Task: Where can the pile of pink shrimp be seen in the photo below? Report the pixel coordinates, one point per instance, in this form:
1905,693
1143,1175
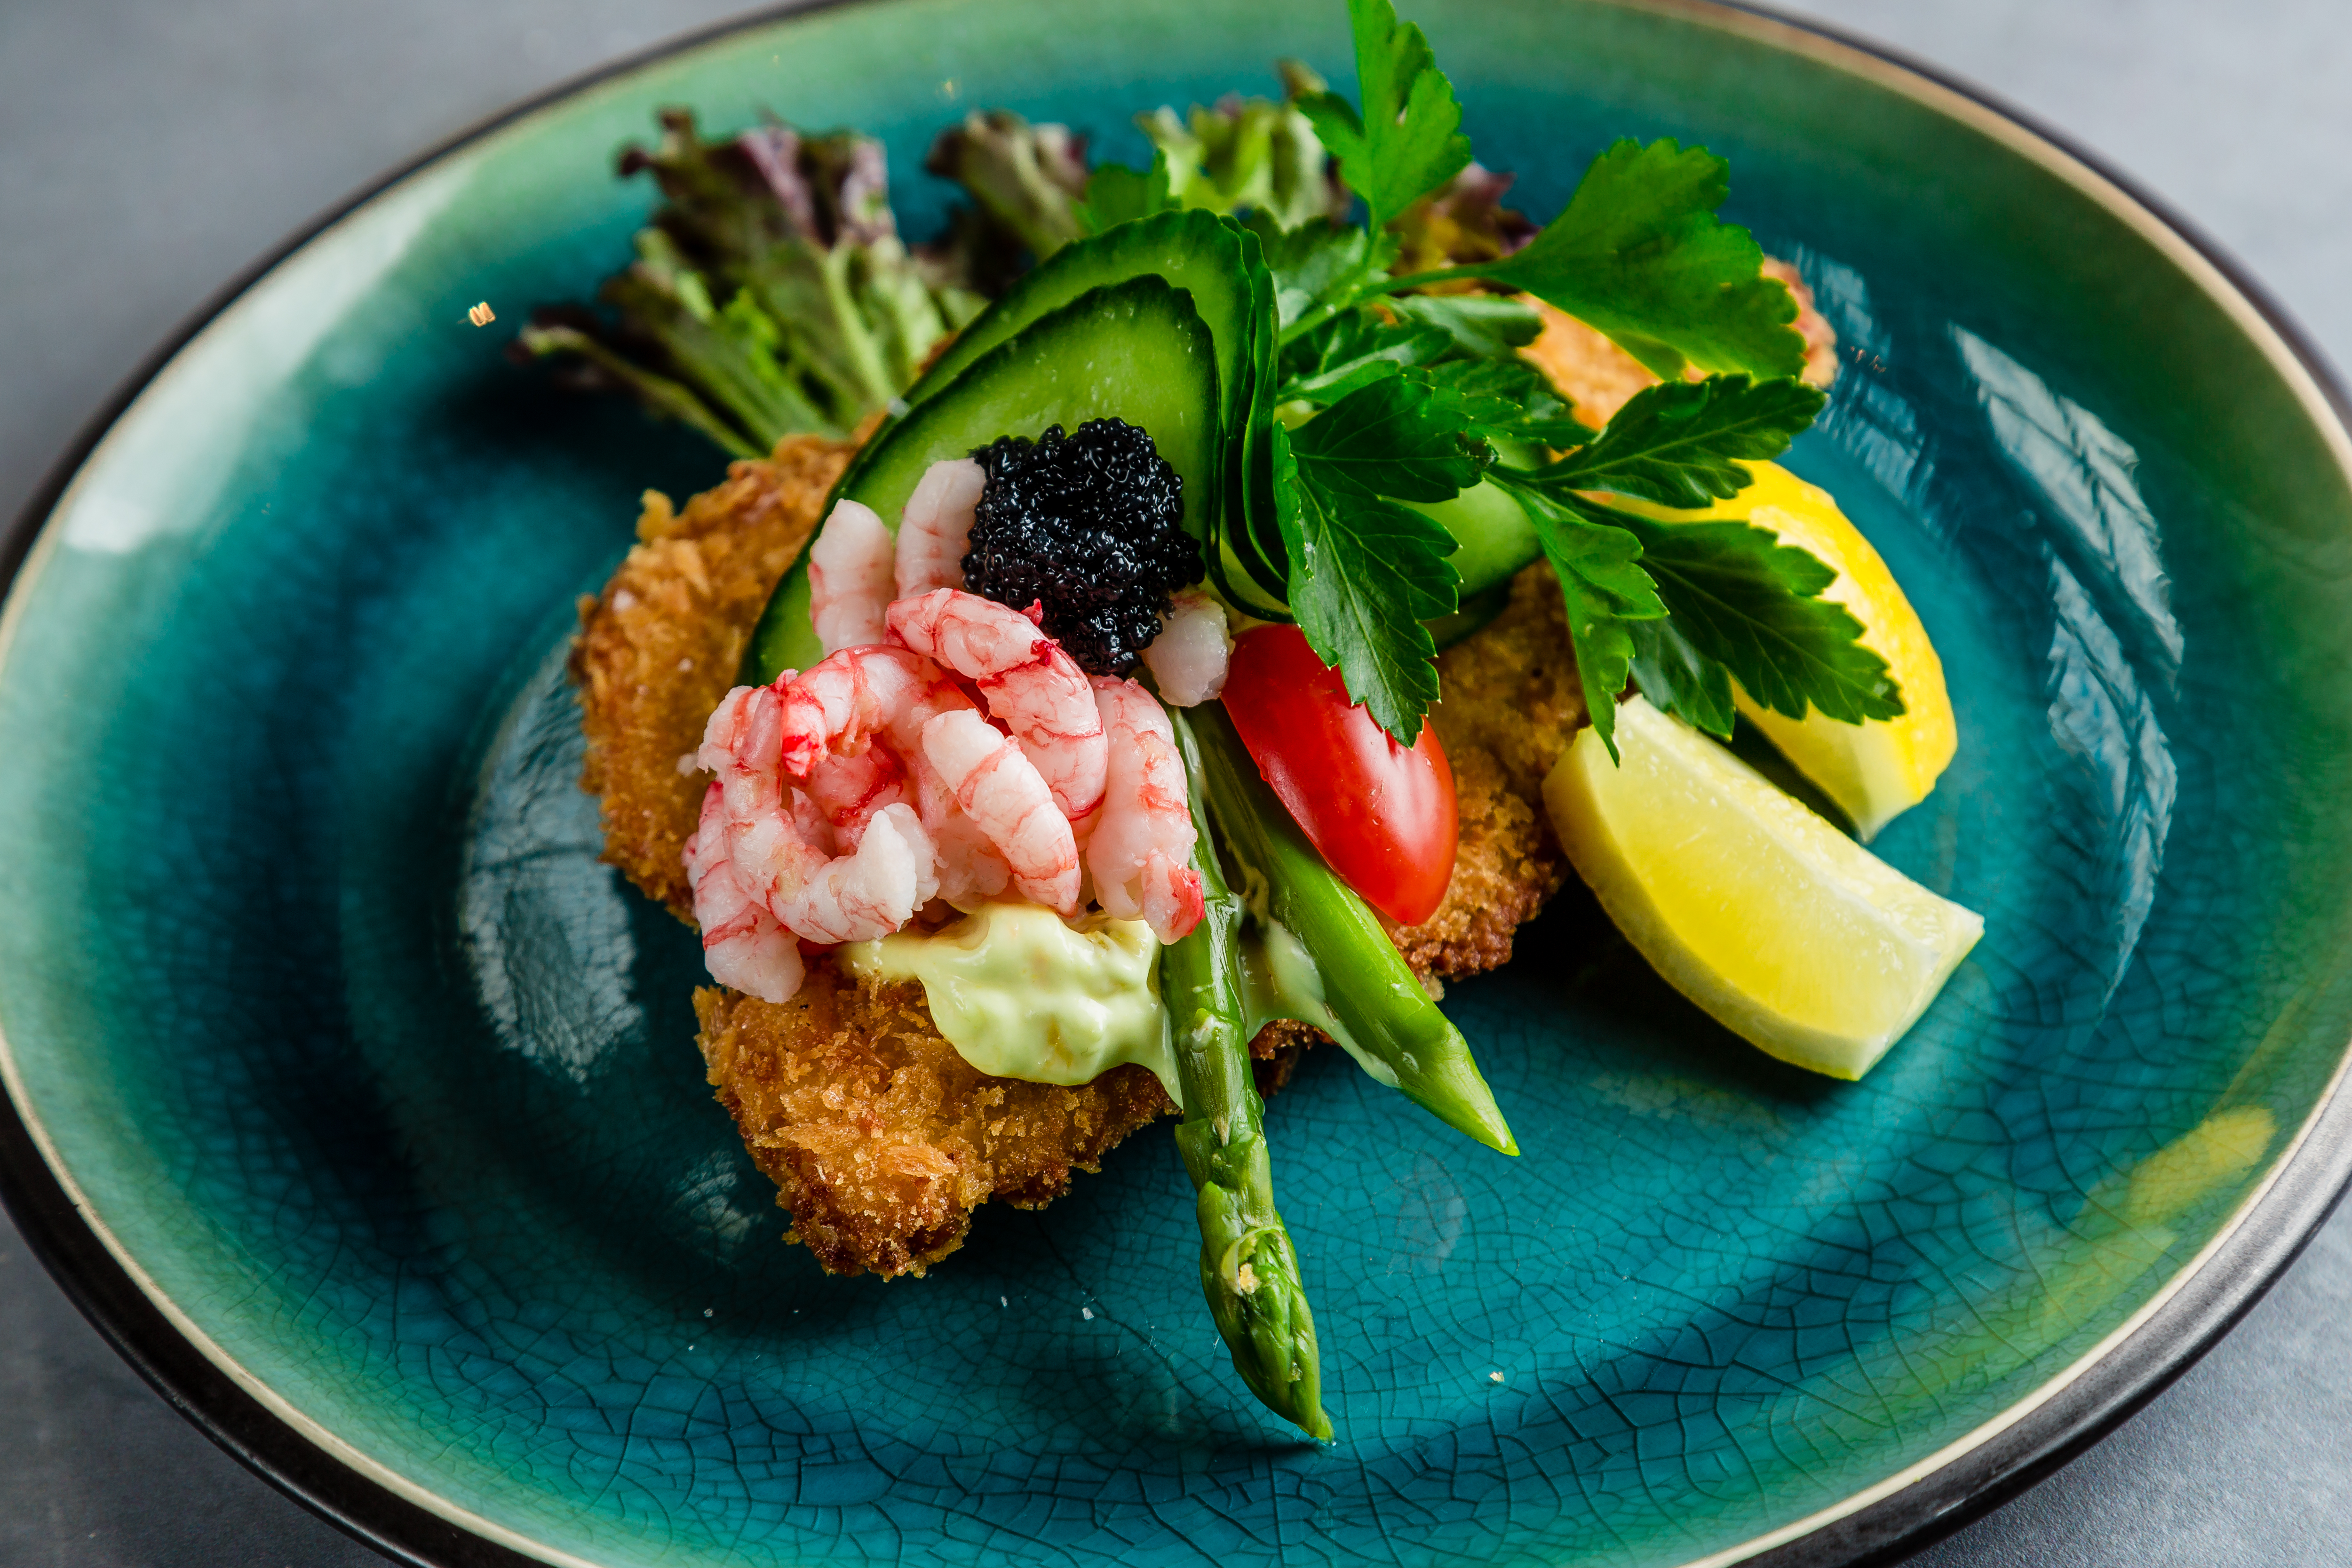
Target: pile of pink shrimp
945,747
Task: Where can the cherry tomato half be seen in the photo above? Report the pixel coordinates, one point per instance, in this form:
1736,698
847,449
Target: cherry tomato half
1382,814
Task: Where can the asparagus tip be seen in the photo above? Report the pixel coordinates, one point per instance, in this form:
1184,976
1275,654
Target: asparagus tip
1463,1101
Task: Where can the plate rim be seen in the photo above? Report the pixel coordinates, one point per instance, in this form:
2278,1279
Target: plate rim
1937,1495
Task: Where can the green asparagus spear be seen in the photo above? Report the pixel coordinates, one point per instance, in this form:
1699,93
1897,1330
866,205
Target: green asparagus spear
1249,1270
1385,1018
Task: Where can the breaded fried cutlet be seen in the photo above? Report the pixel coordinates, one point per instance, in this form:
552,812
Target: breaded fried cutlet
1511,703
847,1098
881,1140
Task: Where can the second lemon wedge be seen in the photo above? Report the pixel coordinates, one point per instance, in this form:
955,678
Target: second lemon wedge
1872,771
1789,932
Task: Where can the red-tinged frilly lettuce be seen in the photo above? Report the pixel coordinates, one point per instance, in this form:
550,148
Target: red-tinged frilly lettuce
771,293
1463,222
1025,181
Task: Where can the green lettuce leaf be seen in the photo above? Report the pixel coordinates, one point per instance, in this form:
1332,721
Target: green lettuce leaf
1116,195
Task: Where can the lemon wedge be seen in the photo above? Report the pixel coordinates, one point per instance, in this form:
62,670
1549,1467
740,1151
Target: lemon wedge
1879,768
1791,934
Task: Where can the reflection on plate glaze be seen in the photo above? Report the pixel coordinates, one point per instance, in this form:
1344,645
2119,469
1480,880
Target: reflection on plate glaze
2103,630
534,902
2124,1229
2102,717
2082,472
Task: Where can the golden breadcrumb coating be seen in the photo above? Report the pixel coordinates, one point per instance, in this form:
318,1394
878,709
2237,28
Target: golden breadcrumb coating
1821,338
849,1099
880,1139
660,646
1511,704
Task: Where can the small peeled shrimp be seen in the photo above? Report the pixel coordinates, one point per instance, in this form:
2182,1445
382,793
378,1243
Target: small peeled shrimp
774,857
739,743
1032,686
1189,659
935,530
743,944
868,894
852,578
852,729
1001,791
1141,851
830,716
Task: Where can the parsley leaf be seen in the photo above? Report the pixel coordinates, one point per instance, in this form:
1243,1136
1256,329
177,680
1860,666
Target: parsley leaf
1609,597
1678,679
1483,326
1509,399
1742,599
1638,254
1318,269
1353,350
1364,574
1675,443
1398,436
1410,138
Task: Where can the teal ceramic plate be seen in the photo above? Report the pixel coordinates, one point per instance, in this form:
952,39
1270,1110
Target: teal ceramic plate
361,1103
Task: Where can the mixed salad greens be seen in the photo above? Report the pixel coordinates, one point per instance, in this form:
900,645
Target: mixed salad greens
1363,453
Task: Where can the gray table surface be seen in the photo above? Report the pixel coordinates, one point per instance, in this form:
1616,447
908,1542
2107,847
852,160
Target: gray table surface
149,149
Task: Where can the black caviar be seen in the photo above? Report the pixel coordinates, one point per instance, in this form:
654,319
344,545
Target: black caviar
1089,525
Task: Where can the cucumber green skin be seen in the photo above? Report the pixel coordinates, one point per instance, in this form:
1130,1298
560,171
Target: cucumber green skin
1136,351
1220,264
1217,262
1493,537
1251,537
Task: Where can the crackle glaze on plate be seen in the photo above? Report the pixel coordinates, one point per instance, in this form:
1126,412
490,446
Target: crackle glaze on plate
383,1092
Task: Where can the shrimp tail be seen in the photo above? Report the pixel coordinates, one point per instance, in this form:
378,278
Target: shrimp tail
1172,900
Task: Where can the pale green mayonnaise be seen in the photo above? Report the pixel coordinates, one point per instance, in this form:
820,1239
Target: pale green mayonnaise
1280,980
1019,992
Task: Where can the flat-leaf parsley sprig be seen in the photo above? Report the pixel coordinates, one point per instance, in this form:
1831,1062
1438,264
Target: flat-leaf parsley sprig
1387,397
